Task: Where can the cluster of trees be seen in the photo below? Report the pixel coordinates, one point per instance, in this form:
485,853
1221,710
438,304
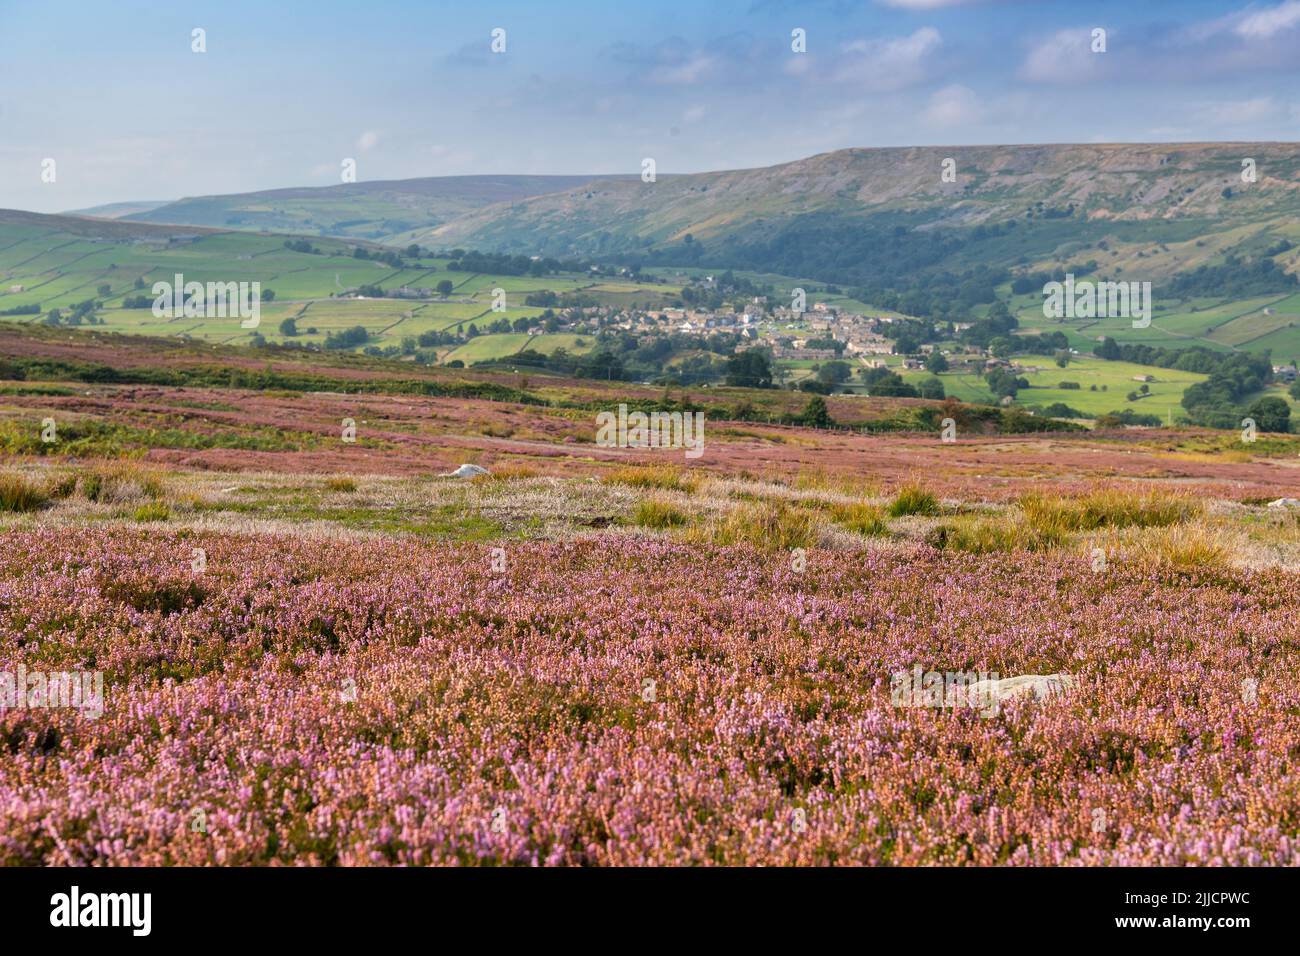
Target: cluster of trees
347,338
881,382
83,313
1127,417
909,335
1196,358
563,300
999,323
33,309
892,263
502,263
1061,410
289,328
1049,343
388,257
600,363
749,369
1236,278
939,296
826,342
675,359
1004,383
1216,402
725,289
1271,414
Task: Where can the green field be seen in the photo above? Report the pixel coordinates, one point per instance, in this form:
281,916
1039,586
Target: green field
486,348
56,268
1219,324
1117,378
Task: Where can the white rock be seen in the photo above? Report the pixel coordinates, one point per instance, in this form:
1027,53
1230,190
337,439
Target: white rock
466,471
1040,685
1285,503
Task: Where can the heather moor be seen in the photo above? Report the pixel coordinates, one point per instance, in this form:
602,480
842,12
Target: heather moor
598,437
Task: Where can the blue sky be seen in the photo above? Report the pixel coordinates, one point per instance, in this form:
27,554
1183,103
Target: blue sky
287,90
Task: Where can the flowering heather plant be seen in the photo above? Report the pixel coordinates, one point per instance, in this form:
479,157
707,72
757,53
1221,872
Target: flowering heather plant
636,701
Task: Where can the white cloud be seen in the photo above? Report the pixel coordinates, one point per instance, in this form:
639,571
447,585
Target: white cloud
1265,23
1064,57
367,140
954,105
892,64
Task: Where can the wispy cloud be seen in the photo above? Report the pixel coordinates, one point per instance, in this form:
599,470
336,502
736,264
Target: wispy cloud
1264,24
954,105
889,64
1064,57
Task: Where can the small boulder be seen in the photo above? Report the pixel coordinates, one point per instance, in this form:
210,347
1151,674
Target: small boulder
1040,685
1285,503
466,471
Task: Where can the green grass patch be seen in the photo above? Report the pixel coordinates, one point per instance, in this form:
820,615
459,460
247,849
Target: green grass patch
913,500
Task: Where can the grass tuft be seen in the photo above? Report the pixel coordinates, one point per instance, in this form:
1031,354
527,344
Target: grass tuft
1053,514
861,518
653,513
662,477
152,511
766,525
990,535
120,484
1186,547
913,500
19,494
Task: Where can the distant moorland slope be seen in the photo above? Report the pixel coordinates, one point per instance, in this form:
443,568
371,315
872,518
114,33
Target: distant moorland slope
380,210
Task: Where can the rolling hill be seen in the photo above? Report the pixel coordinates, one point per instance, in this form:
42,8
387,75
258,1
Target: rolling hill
56,262
379,210
1110,185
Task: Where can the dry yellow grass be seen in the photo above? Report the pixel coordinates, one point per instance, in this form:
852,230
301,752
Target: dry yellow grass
765,525
121,483
1107,508
509,471
21,494
1186,547
658,513
663,477
1008,532
861,517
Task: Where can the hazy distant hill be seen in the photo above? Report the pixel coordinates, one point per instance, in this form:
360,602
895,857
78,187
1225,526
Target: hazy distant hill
117,210
381,210
1054,194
